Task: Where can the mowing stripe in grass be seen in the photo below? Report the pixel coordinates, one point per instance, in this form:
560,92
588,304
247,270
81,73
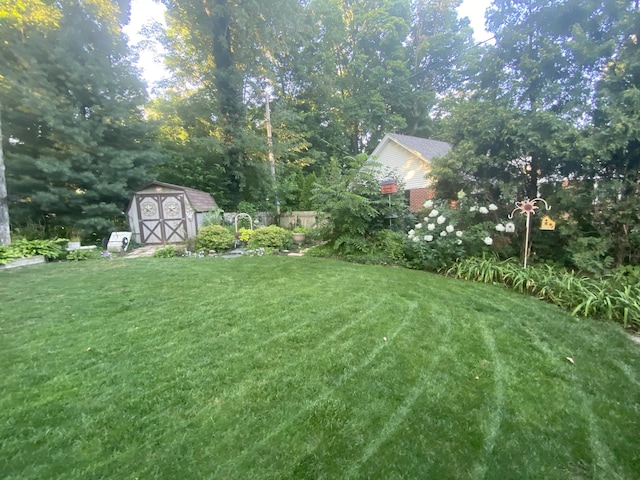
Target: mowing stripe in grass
401,413
604,459
248,382
296,427
496,410
276,374
556,354
626,369
326,392
242,351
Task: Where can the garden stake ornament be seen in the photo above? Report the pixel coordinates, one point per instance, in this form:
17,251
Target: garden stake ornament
528,207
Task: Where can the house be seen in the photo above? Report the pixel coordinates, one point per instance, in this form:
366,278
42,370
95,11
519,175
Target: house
165,213
410,158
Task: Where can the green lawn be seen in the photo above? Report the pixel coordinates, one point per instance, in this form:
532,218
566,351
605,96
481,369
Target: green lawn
278,368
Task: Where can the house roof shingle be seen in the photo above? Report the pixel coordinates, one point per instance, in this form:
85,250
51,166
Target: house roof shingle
424,146
200,201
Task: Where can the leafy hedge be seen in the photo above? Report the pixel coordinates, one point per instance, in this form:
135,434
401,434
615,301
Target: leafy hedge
616,297
270,237
214,237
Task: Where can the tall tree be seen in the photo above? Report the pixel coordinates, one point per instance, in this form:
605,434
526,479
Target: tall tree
612,163
344,72
538,80
17,19
440,59
75,139
358,60
221,52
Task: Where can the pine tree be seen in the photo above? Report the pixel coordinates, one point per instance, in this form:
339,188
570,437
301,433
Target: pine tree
75,138
16,20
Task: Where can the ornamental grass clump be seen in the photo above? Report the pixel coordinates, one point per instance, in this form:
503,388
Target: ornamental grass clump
614,298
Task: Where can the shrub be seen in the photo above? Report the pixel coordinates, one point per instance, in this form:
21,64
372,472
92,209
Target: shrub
270,237
82,254
189,245
349,194
245,234
51,249
7,254
214,237
166,252
445,234
590,254
390,244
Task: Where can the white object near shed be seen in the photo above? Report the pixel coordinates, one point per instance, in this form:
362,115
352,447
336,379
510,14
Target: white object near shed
161,213
119,241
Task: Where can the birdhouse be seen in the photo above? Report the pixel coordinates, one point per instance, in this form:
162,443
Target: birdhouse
388,187
547,224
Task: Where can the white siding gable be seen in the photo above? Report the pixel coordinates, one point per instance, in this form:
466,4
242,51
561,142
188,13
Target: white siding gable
410,166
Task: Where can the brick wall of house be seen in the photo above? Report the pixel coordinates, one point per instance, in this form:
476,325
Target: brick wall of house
418,196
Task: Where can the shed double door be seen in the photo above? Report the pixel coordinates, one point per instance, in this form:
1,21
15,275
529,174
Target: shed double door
162,218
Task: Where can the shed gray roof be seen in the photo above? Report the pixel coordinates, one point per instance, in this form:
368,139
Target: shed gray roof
200,201
426,147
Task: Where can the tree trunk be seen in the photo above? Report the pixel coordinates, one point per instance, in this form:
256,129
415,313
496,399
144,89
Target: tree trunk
227,80
5,235
228,83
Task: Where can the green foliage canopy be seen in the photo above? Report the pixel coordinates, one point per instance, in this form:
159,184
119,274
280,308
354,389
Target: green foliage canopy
74,135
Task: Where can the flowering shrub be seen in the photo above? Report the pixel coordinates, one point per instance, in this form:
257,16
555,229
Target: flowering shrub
450,232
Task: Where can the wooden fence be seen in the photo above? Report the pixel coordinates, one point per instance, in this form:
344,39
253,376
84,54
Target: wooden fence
307,219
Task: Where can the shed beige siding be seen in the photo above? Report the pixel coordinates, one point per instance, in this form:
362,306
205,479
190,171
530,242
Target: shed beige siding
167,226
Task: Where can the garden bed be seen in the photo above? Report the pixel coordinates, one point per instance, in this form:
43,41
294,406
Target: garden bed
24,262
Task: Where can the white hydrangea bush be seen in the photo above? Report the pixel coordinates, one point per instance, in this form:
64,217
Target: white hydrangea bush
449,232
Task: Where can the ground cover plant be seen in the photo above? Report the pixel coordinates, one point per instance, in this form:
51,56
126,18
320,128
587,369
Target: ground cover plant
21,247
279,367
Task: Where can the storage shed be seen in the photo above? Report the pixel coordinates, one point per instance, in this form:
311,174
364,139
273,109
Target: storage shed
164,213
